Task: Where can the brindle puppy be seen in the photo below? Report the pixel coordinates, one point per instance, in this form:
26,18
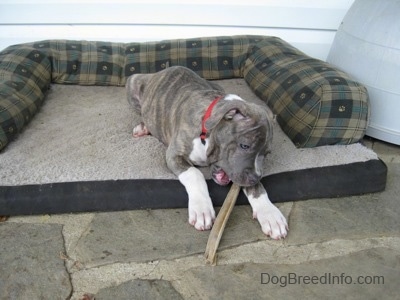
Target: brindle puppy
203,126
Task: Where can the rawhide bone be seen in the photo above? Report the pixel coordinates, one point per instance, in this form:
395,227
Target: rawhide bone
219,225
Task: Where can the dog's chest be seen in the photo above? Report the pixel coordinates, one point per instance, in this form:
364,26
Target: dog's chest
198,155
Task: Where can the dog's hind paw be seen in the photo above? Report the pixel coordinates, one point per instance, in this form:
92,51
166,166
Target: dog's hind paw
140,130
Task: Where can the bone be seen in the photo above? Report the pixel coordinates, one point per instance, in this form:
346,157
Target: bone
219,225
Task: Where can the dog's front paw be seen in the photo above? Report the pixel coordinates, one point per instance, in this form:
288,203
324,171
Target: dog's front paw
272,222
201,214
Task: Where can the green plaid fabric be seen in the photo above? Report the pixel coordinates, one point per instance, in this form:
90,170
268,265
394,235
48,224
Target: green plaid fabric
315,103
211,58
25,76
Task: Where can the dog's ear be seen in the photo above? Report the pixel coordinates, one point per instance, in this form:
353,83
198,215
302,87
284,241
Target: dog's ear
230,111
270,134
234,114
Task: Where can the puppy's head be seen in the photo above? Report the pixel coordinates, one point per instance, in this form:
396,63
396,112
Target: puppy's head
240,137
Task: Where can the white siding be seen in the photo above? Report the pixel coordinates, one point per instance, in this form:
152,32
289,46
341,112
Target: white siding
309,25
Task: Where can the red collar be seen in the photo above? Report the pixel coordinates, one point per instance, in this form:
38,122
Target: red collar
205,118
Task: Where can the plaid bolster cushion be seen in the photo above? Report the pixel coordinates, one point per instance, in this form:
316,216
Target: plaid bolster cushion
25,75
316,104
211,58
103,63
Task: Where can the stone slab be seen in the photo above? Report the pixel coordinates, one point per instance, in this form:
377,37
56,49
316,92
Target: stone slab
141,236
31,265
140,289
371,215
389,153
335,278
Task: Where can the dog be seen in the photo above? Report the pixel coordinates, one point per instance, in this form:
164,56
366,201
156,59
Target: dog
201,125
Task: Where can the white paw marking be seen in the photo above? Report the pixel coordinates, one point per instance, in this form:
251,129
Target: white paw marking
201,213
201,210
140,130
272,221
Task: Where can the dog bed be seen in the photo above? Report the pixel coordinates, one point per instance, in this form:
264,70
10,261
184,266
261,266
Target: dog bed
314,103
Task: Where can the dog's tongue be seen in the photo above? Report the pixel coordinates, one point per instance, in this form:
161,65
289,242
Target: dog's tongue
221,177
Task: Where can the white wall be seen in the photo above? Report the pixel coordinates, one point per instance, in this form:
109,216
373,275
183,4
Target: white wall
309,25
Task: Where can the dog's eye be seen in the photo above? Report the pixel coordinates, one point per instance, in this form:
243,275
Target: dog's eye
244,146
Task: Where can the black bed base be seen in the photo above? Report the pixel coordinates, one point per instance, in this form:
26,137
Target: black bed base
115,195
